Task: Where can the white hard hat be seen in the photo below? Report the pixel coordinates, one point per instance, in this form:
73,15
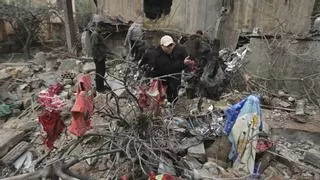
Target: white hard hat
166,40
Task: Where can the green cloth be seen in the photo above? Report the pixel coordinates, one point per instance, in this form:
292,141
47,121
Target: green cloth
4,110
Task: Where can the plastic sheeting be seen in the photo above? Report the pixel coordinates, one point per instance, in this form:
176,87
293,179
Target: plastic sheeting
243,125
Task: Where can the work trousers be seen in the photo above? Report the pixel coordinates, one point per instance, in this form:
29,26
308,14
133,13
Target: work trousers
100,72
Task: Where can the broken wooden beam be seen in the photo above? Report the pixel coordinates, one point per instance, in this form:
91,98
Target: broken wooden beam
15,153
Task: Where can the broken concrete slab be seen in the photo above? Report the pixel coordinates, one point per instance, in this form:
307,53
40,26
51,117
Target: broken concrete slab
116,85
219,150
278,102
4,75
24,161
70,65
300,118
15,153
88,67
23,124
300,107
100,100
186,143
40,58
9,138
67,81
312,158
203,174
191,162
48,78
198,152
51,64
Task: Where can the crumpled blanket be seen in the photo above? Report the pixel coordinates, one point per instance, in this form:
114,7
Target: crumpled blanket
52,126
82,109
245,125
51,123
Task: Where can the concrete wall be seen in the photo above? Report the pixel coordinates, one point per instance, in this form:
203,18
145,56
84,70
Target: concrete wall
190,15
129,9
270,16
285,64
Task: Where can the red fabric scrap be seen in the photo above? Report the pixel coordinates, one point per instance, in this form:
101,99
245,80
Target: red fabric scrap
157,93
55,89
50,119
82,108
52,126
191,64
263,145
50,102
153,96
143,97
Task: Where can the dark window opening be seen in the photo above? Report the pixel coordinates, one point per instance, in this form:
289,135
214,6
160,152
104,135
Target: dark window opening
155,9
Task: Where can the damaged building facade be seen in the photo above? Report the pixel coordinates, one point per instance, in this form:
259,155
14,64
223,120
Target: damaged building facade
232,21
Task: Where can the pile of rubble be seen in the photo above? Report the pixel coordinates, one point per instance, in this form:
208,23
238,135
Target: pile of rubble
184,143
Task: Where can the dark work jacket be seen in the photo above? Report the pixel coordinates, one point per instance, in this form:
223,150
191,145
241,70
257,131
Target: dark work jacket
163,64
99,49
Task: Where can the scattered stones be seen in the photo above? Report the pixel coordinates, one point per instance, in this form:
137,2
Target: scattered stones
40,58
116,86
291,99
300,118
312,158
27,100
80,168
4,74
67,86
278,102
100,100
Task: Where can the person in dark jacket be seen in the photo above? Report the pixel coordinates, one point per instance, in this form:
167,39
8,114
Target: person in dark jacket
167,59
99,52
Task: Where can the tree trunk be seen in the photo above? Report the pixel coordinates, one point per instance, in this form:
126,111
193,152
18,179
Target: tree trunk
26,47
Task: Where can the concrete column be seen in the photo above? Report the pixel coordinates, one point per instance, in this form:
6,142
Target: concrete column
69,24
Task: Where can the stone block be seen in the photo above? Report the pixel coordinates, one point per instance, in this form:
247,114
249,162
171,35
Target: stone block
198,152
49,78
312,158
70,65
88,67
219,150
67,81
40,58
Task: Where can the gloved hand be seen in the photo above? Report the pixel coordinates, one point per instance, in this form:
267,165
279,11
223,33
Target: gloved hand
191,64
188,61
